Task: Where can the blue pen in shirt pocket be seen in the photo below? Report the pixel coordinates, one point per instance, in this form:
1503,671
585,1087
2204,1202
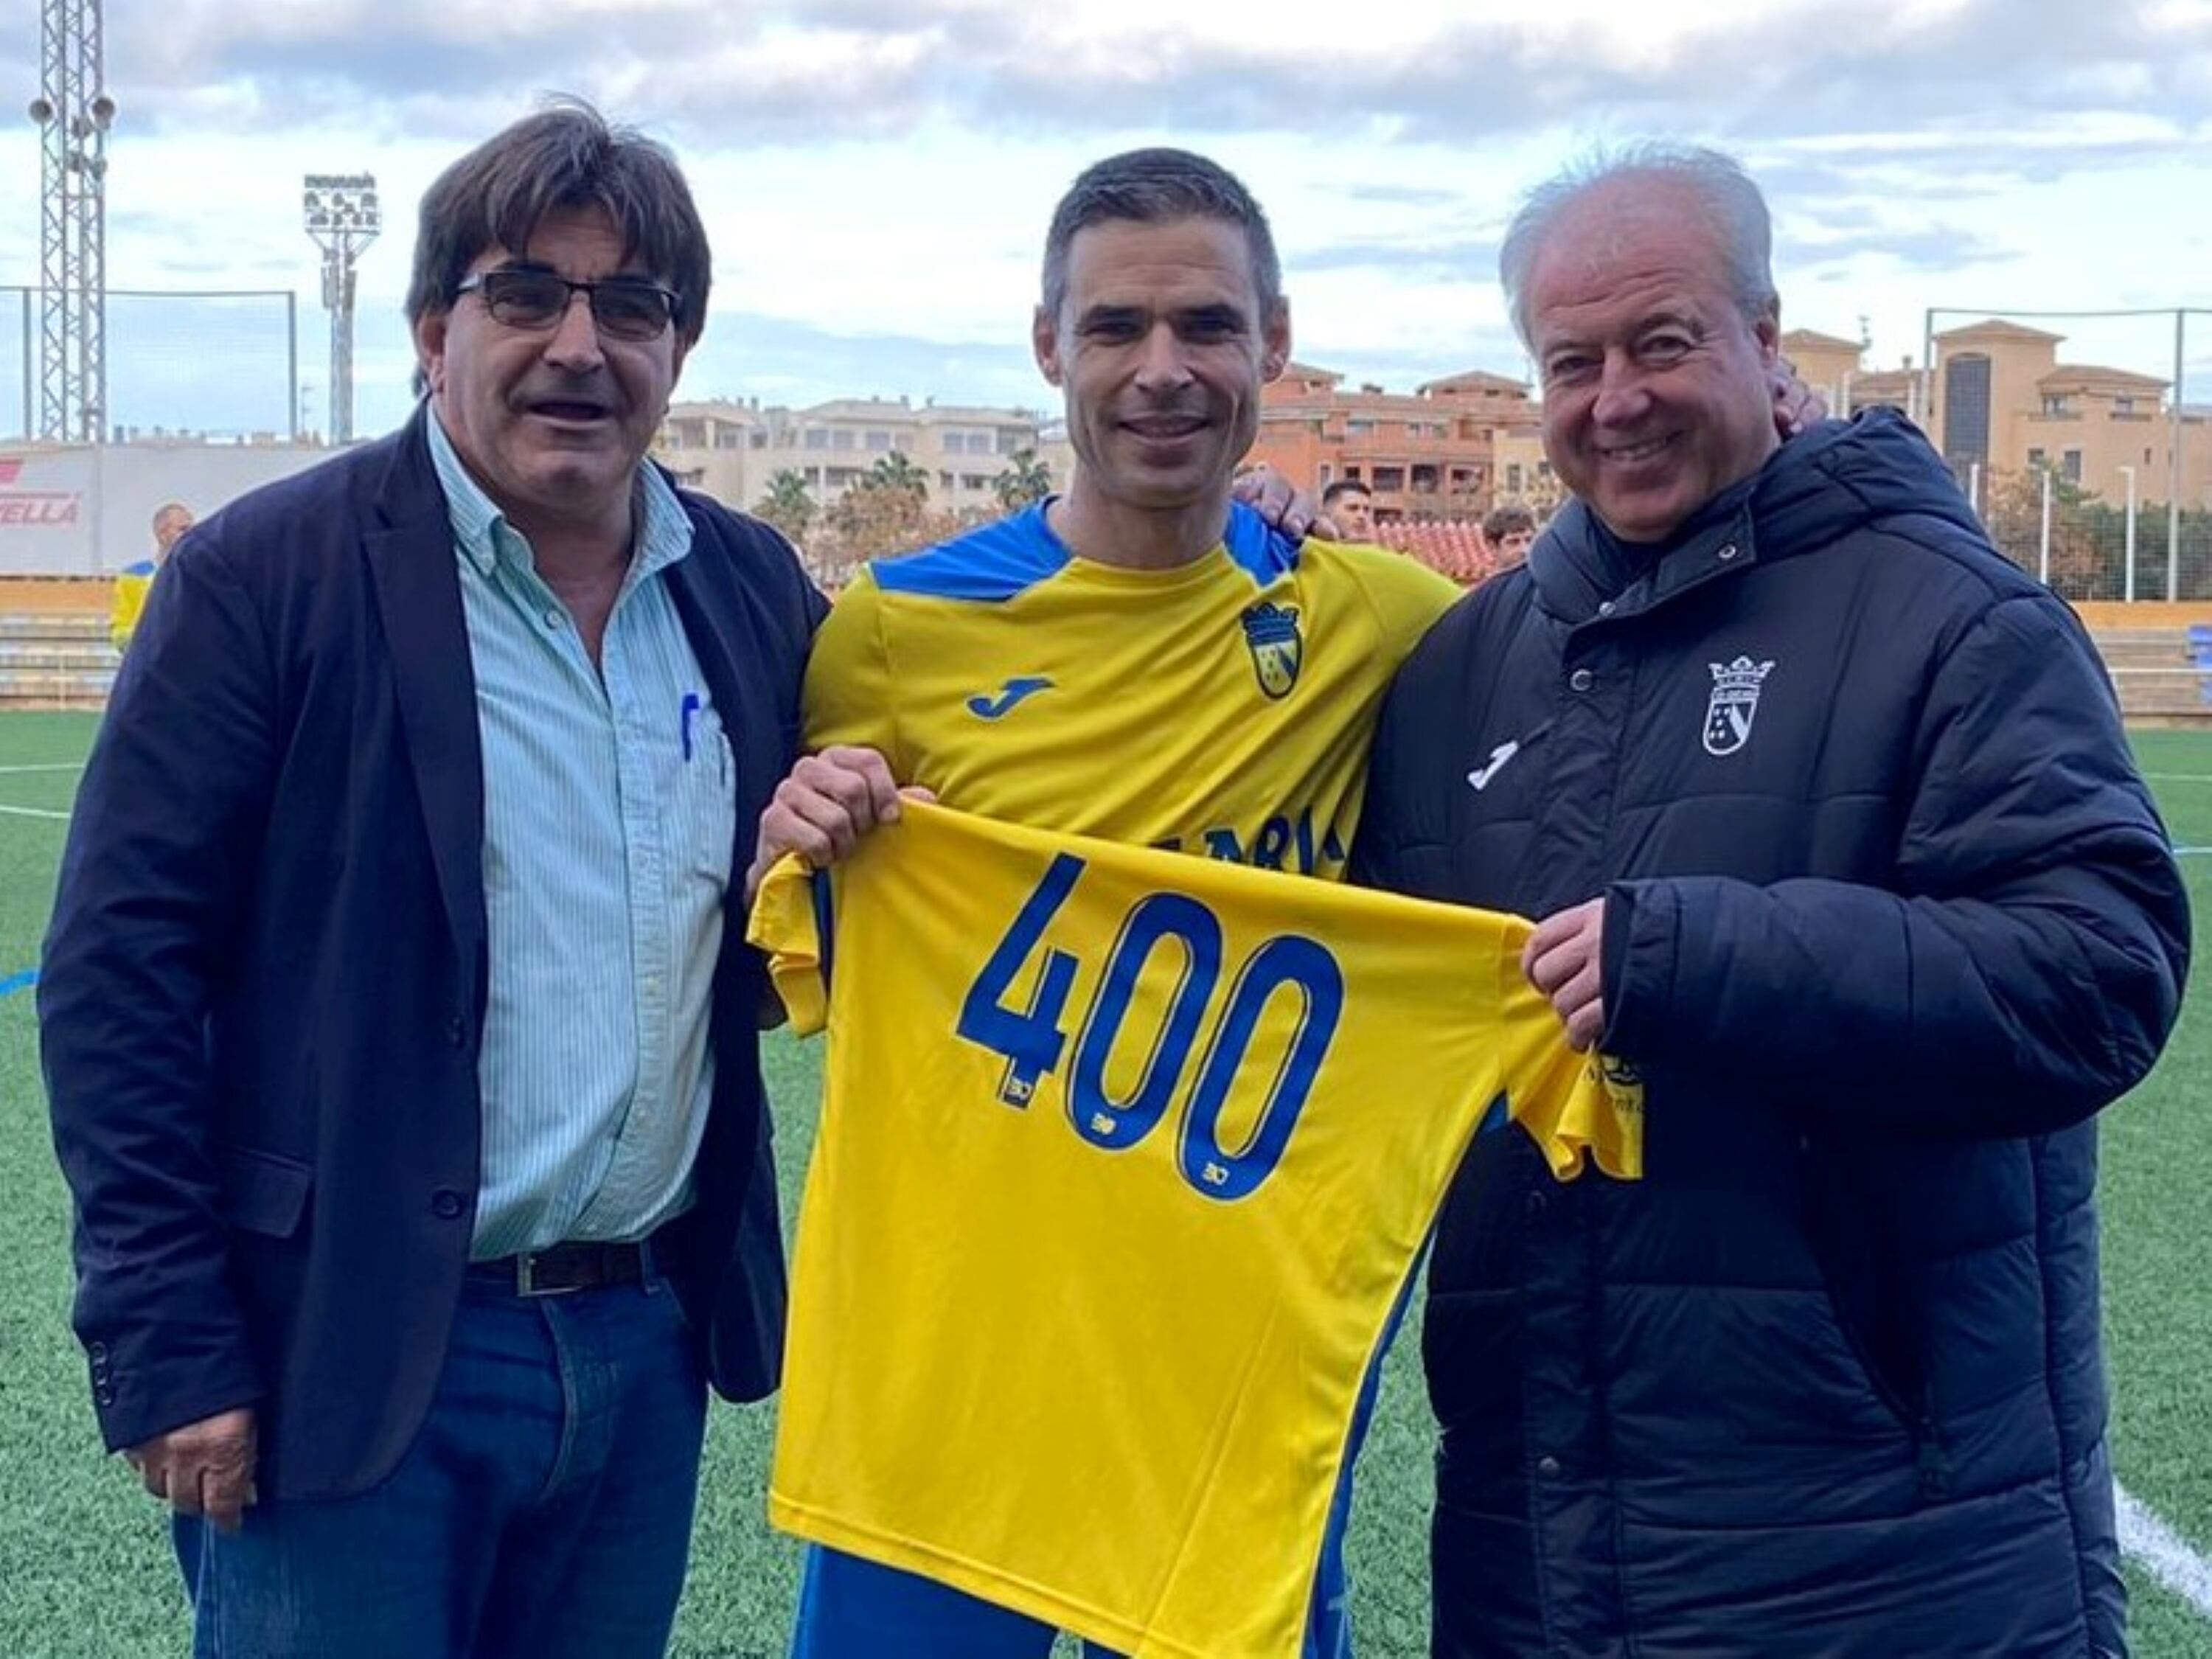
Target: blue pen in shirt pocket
687,712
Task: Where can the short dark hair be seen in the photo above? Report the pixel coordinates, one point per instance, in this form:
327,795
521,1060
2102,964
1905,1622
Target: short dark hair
1342,488
564,157
1155,187
1505,518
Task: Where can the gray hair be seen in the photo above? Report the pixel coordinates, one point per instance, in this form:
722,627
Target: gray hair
1730,202
1157,186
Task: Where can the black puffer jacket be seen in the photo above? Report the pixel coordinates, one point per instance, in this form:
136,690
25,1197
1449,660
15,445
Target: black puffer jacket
1889,916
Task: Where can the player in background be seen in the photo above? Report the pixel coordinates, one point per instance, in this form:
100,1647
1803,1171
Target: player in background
135,582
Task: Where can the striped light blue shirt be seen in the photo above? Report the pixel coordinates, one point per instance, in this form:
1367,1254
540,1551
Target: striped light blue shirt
610,820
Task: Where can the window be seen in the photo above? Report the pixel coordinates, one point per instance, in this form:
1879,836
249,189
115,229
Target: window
878,442
757,439
816,438
2070,467
1425,481
2054,403
975,481
1513,477
1390,477
1966,411
1357,427
2037,460
729,437
840,437
1012,441
2123,406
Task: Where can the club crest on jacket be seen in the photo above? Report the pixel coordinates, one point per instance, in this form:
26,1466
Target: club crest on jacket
1735,703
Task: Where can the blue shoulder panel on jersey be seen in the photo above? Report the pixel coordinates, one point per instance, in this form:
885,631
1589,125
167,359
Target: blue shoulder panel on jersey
990,564
1261,551
143,567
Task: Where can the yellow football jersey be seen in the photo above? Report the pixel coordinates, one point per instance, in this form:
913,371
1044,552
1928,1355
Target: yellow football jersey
1125,1160
1225,708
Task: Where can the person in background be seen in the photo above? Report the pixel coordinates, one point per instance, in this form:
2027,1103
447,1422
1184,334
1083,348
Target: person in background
1507,531
133,582
1349,506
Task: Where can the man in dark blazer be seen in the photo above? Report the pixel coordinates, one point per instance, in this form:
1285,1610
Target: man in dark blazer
399,1032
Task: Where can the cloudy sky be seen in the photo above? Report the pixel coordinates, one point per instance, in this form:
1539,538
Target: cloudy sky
877,174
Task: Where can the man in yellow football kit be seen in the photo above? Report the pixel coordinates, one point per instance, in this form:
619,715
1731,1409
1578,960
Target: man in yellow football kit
1134,660
135,582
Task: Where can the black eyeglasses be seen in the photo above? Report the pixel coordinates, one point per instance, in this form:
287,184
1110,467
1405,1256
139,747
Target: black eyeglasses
625,307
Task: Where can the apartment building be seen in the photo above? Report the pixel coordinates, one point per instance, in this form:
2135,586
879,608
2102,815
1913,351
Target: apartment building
1449,449
1997,401
731,449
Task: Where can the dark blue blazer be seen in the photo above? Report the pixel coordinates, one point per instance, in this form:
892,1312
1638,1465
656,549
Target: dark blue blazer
264,987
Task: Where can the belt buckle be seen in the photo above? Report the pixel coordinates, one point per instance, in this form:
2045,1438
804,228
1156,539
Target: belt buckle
525,1277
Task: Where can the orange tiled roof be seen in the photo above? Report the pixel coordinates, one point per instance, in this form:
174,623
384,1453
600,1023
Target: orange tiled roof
1453,546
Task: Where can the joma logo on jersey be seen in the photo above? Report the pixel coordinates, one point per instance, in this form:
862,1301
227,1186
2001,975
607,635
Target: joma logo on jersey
1735,703
1271,634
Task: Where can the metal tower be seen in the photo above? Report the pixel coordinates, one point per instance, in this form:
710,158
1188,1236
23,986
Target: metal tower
343,218
74,113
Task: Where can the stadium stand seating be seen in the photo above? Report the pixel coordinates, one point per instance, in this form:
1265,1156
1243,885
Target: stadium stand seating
57,660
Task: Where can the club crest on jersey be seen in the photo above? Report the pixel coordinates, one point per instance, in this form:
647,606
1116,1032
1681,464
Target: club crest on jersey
1735,703
1271,634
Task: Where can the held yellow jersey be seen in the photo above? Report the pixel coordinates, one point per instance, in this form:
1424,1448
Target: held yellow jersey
1125,1160
1225,708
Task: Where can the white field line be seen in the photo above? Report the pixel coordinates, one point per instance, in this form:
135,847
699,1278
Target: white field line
35,812
2164,1553
45,766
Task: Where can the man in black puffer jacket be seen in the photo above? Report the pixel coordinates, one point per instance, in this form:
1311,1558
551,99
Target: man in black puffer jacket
1829,813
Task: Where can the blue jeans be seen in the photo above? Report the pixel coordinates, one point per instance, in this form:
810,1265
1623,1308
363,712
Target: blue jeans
543,1511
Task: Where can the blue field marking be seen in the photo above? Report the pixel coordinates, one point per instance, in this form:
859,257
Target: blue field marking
22,982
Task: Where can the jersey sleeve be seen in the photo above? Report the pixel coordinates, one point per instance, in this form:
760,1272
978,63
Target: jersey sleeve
787,926
1577,1108
1408,596
850,696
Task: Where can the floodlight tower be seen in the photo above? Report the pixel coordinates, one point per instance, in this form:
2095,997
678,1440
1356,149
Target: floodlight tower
73,111
343,218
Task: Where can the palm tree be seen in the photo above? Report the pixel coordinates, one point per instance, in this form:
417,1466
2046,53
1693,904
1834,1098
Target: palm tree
895,472
787,505
1025,479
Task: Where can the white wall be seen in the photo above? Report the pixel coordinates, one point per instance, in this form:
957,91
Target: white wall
73,510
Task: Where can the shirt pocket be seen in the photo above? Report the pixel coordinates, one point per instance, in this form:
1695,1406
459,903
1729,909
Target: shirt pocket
706,819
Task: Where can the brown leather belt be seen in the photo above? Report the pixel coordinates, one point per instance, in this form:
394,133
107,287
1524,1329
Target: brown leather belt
576,1265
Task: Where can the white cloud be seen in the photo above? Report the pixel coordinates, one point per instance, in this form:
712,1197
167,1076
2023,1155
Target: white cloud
884,168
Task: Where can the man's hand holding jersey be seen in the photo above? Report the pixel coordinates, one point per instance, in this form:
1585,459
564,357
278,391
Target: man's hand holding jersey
1565,958
821,810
